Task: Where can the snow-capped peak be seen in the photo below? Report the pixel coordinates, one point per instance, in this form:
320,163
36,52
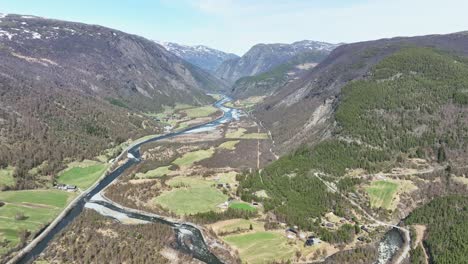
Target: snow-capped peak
200,55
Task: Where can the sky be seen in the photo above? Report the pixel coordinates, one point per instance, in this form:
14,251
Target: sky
236,25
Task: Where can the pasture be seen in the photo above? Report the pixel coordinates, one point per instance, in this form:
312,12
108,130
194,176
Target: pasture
190,195
82,176
191,157
382,193
37,208
261,247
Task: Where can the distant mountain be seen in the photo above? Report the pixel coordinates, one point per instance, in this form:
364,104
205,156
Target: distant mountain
304,110
263,57
70,89
268,82
202,56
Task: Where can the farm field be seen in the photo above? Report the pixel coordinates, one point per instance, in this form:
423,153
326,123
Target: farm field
200,111
381,193
255,136
236,134
242,206
158,172
82,175
35,207
229,145
240,133
246,103
190,195
233,225
261,247
191,157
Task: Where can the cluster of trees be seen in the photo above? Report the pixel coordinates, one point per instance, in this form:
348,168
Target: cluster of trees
402,107
417,255
41,132
365,255
212,217
92,238
344,234
295,196
447,228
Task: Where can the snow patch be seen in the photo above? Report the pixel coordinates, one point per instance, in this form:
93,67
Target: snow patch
7,34
36,35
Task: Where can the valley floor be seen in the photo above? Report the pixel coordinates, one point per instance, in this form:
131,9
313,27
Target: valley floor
196,178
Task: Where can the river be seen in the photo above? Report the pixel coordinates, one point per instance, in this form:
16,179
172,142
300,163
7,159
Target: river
390,245
189,238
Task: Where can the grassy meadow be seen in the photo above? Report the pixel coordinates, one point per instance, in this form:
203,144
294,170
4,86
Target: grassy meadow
261,247
36,208
381,193
82,175
190,195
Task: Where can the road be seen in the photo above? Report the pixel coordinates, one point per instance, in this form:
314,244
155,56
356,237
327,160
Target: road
407,242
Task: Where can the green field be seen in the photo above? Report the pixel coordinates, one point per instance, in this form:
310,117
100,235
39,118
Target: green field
237,224
242,206
217,97
245,103
240,133
39,207
229,145
190,195
191,157
158,172
255,136
83,177
261,247
227,177
236,134
201,111
381,193
6,176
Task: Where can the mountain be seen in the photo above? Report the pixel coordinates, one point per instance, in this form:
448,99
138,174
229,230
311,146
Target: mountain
366,115
268,82
397,85
202,56
263,57
70,90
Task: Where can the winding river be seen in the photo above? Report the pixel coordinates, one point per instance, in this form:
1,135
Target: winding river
189,237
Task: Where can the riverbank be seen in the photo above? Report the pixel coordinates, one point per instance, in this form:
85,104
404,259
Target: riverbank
39,243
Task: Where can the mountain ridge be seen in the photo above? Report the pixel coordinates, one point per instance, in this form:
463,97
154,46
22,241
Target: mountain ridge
200,55
263,57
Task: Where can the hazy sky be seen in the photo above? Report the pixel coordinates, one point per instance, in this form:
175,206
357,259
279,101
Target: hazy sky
236,25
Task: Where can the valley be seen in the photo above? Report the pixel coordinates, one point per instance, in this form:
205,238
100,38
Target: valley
119,149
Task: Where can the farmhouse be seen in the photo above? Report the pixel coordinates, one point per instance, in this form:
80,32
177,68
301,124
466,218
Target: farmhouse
291,233
65,187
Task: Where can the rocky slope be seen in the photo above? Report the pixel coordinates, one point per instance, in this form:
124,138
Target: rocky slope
267,83
202,56
70,89
303,110
263,57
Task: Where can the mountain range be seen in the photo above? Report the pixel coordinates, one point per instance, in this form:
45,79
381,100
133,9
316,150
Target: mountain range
202,56
263,57
304,109
73,89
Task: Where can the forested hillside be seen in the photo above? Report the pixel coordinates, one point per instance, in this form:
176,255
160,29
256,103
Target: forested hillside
303,109
447,228
71,90
412,104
